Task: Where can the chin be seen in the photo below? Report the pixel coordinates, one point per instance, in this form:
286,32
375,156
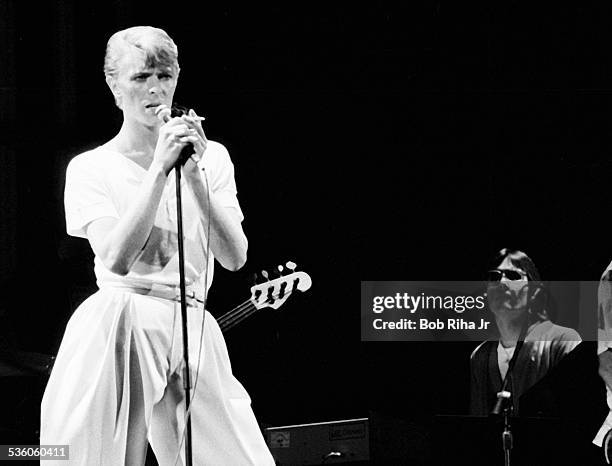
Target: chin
505,309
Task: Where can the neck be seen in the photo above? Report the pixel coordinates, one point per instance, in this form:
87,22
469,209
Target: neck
509,330
137,141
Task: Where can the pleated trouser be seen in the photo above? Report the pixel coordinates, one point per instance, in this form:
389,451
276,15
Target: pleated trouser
118,381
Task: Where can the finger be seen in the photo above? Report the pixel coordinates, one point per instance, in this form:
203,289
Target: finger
173,134
175,121
199,147
195,121
197,132
195,116
192,139
200,132
179,131
196,156
192,122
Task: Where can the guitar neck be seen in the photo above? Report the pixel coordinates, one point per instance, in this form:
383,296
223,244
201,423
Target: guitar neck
269,294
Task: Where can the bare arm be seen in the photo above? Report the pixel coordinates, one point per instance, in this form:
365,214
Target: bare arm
227,239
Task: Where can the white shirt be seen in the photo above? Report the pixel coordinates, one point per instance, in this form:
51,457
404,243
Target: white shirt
103,183
504,355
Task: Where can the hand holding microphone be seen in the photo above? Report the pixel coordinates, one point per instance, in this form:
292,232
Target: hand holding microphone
181,138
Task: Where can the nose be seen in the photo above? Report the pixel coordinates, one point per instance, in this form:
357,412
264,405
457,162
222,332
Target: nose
154,85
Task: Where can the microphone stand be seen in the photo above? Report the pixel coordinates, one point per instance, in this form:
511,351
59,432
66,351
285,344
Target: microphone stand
164,115
185,154
504,404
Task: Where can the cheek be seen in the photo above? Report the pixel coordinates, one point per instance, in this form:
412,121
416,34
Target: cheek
170,87
494,301
133,92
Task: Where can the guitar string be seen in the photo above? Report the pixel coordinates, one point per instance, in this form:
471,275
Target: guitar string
240,313
246,313
239,318
243,306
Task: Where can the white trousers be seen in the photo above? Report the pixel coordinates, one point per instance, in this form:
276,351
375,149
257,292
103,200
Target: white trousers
117,382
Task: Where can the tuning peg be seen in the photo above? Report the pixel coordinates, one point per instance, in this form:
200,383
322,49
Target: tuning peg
265,275
280,269
291,266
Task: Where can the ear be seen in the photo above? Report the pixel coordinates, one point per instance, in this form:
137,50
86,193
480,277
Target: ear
112,85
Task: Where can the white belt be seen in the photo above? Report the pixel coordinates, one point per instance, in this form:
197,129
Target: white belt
169,292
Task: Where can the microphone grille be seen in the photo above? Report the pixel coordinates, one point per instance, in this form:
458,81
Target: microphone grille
163,113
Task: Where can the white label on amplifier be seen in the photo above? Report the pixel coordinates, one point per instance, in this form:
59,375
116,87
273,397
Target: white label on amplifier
280,439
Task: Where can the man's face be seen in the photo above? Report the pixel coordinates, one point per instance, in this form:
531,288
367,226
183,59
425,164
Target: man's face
507,292
139,88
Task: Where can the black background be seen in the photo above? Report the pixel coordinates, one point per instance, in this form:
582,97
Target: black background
370,143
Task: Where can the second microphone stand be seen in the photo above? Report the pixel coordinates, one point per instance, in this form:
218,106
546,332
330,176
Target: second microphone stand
504,404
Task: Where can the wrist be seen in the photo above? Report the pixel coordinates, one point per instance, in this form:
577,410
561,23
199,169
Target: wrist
192,171
159,169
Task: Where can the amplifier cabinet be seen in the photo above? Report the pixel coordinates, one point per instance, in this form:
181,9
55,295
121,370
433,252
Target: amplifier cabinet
332,442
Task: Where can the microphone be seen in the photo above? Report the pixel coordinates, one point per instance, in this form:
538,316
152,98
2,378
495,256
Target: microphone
165,114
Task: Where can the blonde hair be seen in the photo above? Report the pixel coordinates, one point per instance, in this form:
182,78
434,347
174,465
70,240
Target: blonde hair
156,45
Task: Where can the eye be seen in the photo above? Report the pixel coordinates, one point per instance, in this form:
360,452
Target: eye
140,77
164,76
513,275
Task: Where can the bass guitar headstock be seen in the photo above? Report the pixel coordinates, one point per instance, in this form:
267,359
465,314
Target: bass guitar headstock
273,293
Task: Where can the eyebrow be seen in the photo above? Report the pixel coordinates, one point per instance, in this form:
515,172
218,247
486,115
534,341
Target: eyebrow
134,73
149,72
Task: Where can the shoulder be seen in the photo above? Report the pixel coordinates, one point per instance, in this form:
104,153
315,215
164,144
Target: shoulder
217,152
562,339
217,160
607,275
94,159
560,333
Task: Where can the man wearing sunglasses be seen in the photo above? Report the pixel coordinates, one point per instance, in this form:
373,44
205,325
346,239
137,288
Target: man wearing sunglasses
517,299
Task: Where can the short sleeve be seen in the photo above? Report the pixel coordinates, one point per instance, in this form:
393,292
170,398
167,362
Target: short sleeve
221,178
86,196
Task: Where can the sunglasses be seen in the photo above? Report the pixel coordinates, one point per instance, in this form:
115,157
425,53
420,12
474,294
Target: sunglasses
513,275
